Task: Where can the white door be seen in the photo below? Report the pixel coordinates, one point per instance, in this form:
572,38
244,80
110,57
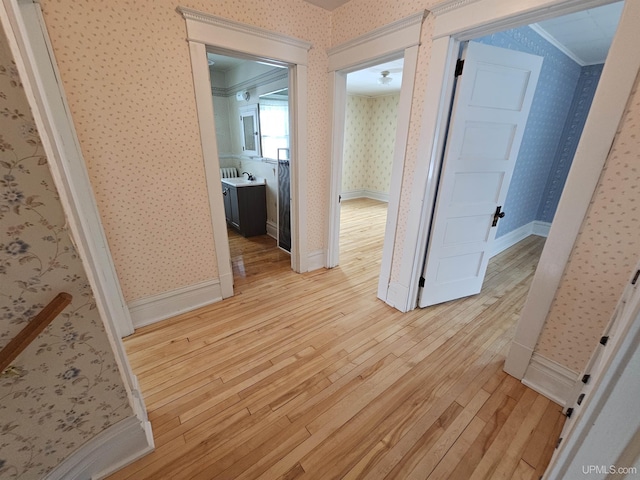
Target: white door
492,101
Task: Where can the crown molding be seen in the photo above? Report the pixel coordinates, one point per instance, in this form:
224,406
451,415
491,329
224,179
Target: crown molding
201,17
393,27
553,41
263,79
449,5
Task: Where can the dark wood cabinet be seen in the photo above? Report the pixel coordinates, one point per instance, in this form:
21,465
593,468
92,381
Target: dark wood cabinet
245,208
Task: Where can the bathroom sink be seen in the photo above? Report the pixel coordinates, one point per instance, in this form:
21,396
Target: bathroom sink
243,182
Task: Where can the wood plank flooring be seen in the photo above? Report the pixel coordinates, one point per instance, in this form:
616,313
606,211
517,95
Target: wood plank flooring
312,377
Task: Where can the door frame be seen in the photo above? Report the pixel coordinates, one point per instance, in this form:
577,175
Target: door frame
457,21
233,37
400,38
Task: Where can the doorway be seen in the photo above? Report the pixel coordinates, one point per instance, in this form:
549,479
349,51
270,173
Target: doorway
252,116
371,113
574,49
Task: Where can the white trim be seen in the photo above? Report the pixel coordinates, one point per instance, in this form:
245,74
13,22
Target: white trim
550,379
272,229
372,194
396,296
397,173
487,16
541,229
553,41
109,451
315,260
606,426
376,46
206,123
298,135
146,311
426,172
229,27
338,94
449,5
508,240
468,19
386,40
233,37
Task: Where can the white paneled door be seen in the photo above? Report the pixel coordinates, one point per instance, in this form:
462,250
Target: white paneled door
491,104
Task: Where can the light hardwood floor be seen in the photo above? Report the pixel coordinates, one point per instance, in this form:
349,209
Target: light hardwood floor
310,376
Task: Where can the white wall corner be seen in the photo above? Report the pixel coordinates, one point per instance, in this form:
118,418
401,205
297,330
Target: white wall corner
316,260
549,378
109,451
146,311
398,297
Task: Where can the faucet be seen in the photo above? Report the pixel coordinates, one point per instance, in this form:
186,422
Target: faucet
250,177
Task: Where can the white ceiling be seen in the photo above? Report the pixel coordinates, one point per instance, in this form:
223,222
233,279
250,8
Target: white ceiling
584,36
365,81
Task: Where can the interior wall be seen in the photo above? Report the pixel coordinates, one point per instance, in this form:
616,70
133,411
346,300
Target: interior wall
543,134
126,71
577,117
370,130
65,388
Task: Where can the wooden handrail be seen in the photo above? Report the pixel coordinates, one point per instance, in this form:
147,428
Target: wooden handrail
33,329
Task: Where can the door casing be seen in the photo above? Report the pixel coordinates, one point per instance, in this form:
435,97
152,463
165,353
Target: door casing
244,40
392,41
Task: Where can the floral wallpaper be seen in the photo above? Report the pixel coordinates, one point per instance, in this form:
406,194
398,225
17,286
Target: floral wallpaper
370,131
65,387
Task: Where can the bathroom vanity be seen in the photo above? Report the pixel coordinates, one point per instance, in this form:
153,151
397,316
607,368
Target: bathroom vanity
245,205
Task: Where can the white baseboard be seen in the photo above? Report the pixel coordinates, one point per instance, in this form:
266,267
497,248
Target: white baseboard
398,297
107,452
146,311
549,378
541,228
315,260
272,229
500,244
517,360
380,196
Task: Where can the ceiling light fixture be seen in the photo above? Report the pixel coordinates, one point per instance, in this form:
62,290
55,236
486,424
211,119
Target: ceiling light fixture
385,79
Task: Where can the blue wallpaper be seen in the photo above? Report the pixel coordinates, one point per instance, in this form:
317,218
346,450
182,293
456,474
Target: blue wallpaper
586,89
551,104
